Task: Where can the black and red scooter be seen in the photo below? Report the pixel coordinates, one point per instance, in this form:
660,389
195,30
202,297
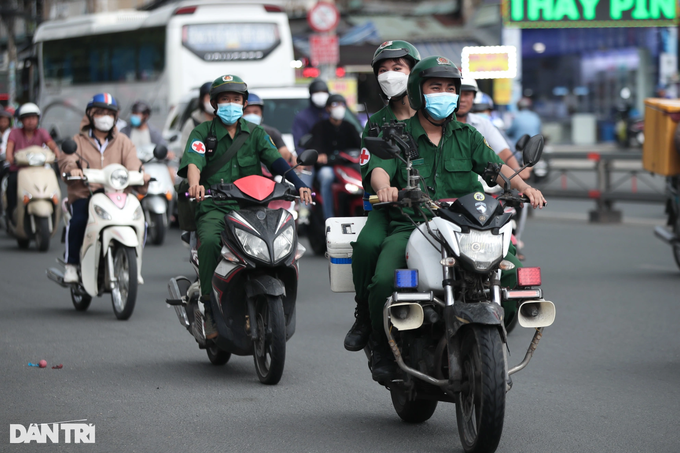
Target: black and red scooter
255,282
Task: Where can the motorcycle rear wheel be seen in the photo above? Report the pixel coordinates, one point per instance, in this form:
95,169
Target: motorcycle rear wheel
269,350
316,231
81,302
417,411
217,356
156,228
124,293
480,408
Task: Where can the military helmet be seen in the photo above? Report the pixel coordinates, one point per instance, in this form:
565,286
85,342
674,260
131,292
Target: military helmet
430,68
228,84
395,49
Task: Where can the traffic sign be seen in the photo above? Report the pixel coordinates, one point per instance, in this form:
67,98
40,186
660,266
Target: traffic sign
324,49
323,17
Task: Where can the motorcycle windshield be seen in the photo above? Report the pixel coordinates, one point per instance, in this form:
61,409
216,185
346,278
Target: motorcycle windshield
255,186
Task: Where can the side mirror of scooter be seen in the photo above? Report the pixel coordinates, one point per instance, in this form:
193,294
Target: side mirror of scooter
308,157
533,150
160,152
305,140
522,142
69,146
381,148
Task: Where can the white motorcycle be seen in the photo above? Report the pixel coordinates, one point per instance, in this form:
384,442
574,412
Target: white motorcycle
111,254
36,214
160,198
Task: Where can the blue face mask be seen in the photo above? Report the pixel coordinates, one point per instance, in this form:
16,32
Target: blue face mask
440,105
253,118
229,113
135,120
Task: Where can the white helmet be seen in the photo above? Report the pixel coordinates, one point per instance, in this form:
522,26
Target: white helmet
29,109
468,84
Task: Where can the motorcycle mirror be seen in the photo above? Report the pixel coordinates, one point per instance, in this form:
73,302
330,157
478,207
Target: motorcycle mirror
308,157
522,142
160,152
533,150
381,148
69,146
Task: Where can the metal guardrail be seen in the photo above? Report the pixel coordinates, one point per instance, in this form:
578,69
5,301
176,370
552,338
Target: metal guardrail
604,193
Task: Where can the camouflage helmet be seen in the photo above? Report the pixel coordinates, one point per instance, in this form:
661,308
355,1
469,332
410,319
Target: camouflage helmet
228,84
430,68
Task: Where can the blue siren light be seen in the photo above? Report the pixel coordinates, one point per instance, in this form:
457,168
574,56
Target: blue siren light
406,278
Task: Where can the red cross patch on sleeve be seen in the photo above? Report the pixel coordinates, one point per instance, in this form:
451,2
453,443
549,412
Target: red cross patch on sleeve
364,157
198,147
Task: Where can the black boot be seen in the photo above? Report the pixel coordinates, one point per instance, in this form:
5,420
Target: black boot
383,366
357,337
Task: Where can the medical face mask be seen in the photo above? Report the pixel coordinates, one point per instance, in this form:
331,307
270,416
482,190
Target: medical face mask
135,120
319,99
393,83
229,113
104,123
253,118
338,113
208,107
440,105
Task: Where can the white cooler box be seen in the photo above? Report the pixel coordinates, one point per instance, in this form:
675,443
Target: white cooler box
340,231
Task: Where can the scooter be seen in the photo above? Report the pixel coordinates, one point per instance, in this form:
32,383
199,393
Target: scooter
444,320
38,195
160,198
255,282
111,254
347,196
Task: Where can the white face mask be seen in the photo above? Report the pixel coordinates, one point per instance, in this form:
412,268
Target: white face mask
208,107
338,113
393,83
319,99
104,123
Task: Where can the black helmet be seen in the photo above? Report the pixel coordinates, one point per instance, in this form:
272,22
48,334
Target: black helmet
205,89
317,85
335,98
395,49
430,68
141,107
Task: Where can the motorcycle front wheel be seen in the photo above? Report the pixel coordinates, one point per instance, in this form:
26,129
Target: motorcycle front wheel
156,228
124,292
416,411
269,350
316,231
42,233
480,408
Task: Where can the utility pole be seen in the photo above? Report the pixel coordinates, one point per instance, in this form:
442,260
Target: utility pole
8,20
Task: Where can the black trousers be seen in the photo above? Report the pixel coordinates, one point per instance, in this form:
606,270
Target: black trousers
75,232
11,192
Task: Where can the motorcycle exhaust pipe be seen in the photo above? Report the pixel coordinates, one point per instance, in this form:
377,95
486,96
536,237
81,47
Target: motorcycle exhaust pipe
57,277
536,313
180,310
406,316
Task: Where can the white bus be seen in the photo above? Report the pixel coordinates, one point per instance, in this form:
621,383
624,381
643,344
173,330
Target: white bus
157,56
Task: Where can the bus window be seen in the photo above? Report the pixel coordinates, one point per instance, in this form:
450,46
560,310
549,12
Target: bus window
231,41
130,56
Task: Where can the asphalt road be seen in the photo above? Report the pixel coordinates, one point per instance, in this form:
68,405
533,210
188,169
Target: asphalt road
604,378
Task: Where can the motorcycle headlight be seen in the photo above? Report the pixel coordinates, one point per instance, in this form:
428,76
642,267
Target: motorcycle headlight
119,178
138,213
253,245
283,244
36,159
353,189
101,212
481,247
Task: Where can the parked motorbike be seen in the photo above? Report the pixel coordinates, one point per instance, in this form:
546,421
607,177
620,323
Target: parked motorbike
159,200
38,195
444,321
255,283
672,236
347,196
111,254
